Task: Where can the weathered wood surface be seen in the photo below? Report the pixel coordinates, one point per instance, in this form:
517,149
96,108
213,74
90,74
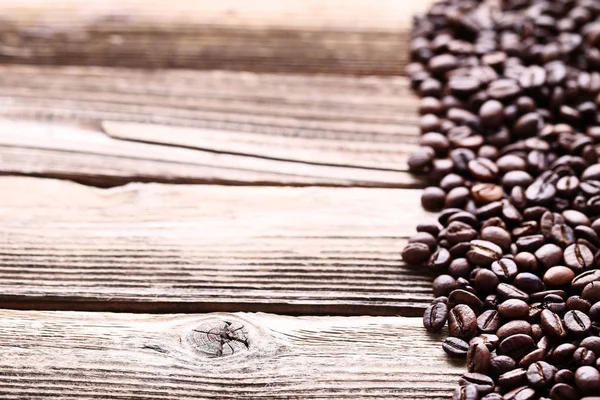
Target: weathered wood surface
334,36
85,356
178,248
206,127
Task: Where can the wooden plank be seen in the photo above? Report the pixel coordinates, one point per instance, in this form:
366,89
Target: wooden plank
333,36
178,248
206,127
85,356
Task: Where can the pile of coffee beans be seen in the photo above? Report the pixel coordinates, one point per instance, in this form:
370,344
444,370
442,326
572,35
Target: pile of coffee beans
510,94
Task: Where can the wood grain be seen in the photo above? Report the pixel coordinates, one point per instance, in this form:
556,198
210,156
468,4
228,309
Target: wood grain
206,127
178,248
85,356
333,36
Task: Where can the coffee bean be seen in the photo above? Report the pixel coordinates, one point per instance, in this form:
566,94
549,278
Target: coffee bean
462,322
591,292
425,238
587,379
455,347
488,321
483,253
514,327
552,324
501,364
485,281
521,393
443,285
549,255
451,181
506,291
512,379
478,357
460,296
516,346
457,197
530,243
433,198
513,309
484,193
577,322
564,376
421,159
540,375
528,282
562,235
579,304
581,280
483,169
540,192
562,391
558,276
435,317
416,253
583,357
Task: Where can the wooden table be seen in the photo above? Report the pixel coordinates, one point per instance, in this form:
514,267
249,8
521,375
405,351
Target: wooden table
228,230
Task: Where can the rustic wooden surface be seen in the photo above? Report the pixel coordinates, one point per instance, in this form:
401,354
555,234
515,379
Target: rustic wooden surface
261,191
175,248
207,127
71,355
333,36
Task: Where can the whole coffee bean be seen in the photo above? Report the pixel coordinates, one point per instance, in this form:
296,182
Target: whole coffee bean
424,237
441,64
562,235
459,267
497,235
577,322
578,257
416,253
484,193
514,327
521,393
478,357
443,285
540,192
579,304
455,347
511,379
583,357
513,309
458,232
462,322
496,396
516,346
591,292
483,253
430,227
530,243
488,321
526,228
574,218
552,324
451,181
483,383
562,353
485,281
540,375
468,392
501,364
516,178
528,282
587,379
562,391
460,296
433,198
581,280
564,376
526,262
558,276
511,162
595,312
506,291
465,217
457,197
421,159
483,169
549,255
491,114
435,317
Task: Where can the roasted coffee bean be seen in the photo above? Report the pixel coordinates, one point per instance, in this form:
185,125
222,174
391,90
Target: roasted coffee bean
483,253
485,281
511,162
514,327
579,304
552,324
549,255
435,317
562,391
451,181
540,192
430,227
506,291
478,357
562,235
421,159
460,296
484,193
488,321
558,276
581,280
513,309
457,197
458,232
591,343
501,364
433,198
513,378
526,261
443,285
530,243
578,257
521,393
591,292
462,322
424,237
483,169
455,347
577,322
516,346
583,356
540,375
528,282
564,376
587,379
416,253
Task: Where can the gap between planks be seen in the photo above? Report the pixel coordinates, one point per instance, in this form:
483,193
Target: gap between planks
110,126
179,248
334,36
89,356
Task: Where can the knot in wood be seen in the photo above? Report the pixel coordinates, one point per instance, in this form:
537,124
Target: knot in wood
220,338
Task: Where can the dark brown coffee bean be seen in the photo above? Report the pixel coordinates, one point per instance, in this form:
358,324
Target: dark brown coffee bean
443,285
483,383
540,192
581,280
577,322
549,255
562,391
458,232
455,347
451,181
441,64
424,237
552,324
478,357
521,393
530,243
488,321
484,193
526,261
468,392
457,197
483,169
591,292
430,227
554,303
506,291
466,218
562,353
513,309
579,304
567,186
415,253
578,257
516,178
460,296
514,327
462,322
433,198
421,159
491,114
564,376
483,252
528,282
587,379
511,162
511,379
504,89
574,218
435,317
558,276
562,235
516,346
485,281
540,375
501,364
583,357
